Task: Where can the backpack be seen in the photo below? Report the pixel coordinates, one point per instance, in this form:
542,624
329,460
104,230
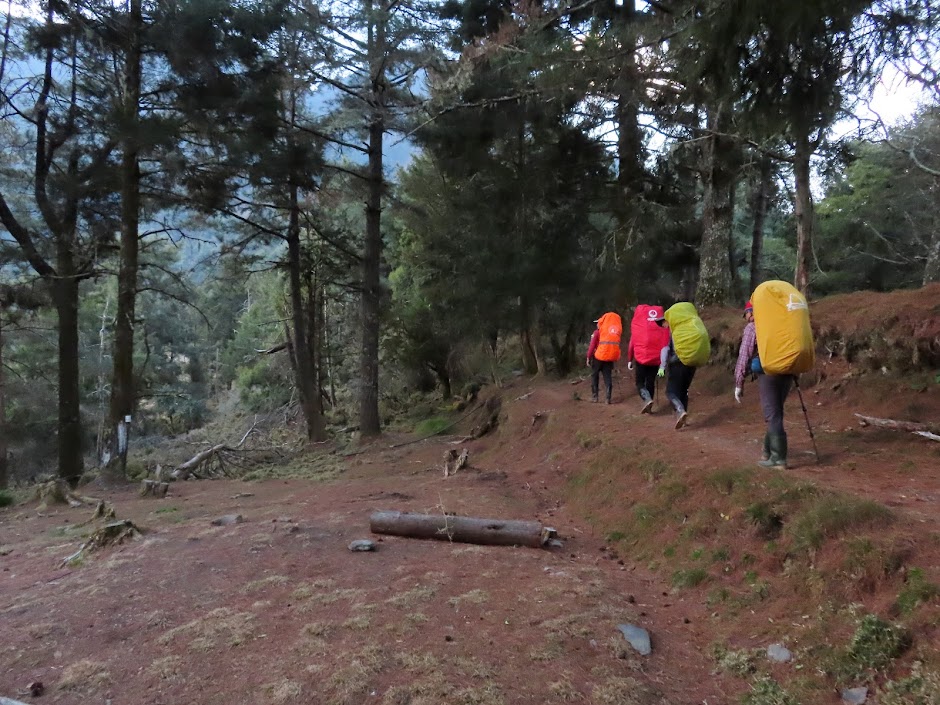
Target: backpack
689,336
646,338
784,336
608,344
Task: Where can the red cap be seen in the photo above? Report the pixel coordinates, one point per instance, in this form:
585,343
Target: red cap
748,307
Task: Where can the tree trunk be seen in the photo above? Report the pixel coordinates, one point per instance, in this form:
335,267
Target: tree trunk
304,374
529,357
932,267
123,393
65,293
714,281
445,527
4,468
440,371
369,424
759,203
629,138
803,209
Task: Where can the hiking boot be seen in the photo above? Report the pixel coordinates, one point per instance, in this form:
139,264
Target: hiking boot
682,420
647,407
594,397
766,454
608,396
777,444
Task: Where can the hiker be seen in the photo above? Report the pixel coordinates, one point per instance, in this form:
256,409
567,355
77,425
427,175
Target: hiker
604,351
688,348
776,345
647,339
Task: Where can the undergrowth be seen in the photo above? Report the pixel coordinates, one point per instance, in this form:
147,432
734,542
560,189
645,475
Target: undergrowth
749,538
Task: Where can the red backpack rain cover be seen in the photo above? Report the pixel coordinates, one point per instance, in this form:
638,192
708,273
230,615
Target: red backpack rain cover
646,338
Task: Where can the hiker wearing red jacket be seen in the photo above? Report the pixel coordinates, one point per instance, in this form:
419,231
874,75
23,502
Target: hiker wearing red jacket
604,351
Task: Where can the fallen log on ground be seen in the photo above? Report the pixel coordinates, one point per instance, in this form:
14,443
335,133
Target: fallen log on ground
444,527
912,426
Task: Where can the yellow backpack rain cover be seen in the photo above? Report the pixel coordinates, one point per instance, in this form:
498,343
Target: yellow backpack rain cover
689,336
784,335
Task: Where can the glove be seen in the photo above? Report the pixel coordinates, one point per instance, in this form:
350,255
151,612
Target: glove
738,393
587,363
630,365
662,372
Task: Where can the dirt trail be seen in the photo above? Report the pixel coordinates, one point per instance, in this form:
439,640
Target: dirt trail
897,469
276,610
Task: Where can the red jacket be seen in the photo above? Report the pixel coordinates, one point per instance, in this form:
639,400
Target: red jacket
593,345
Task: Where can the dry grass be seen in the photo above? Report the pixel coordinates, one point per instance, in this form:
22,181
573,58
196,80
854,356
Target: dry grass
308,590
84,675
348,684
486,694
271,580
41,630
410,598
282,691
207,632
319,630
418,662
474,597
432,689
165,668
330,597
564,690
552,650
625,691
416,618
474,668
360,621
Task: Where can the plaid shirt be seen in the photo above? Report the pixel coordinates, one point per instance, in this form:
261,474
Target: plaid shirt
745,353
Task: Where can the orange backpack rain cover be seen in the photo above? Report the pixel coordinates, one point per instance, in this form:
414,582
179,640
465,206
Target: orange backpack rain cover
611,330
646,338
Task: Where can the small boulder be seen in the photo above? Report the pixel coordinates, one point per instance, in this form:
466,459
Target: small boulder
855,696
638,637
779,653
228,520
362,545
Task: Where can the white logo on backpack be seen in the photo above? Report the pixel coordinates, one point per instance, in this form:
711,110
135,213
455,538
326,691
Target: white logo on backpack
796,303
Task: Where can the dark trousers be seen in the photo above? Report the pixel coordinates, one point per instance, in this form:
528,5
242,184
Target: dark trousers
598,367
646,380
680,379
773,391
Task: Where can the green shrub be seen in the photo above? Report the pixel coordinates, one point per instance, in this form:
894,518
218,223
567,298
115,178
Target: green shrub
767,691
875,644
921,687
432,426
917,590
832,515
727,481
768,521
6,499
689,578
741,663
586,440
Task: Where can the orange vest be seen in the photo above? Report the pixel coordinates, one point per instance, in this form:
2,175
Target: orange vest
608,344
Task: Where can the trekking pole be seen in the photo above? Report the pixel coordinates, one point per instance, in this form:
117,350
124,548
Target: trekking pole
812,437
